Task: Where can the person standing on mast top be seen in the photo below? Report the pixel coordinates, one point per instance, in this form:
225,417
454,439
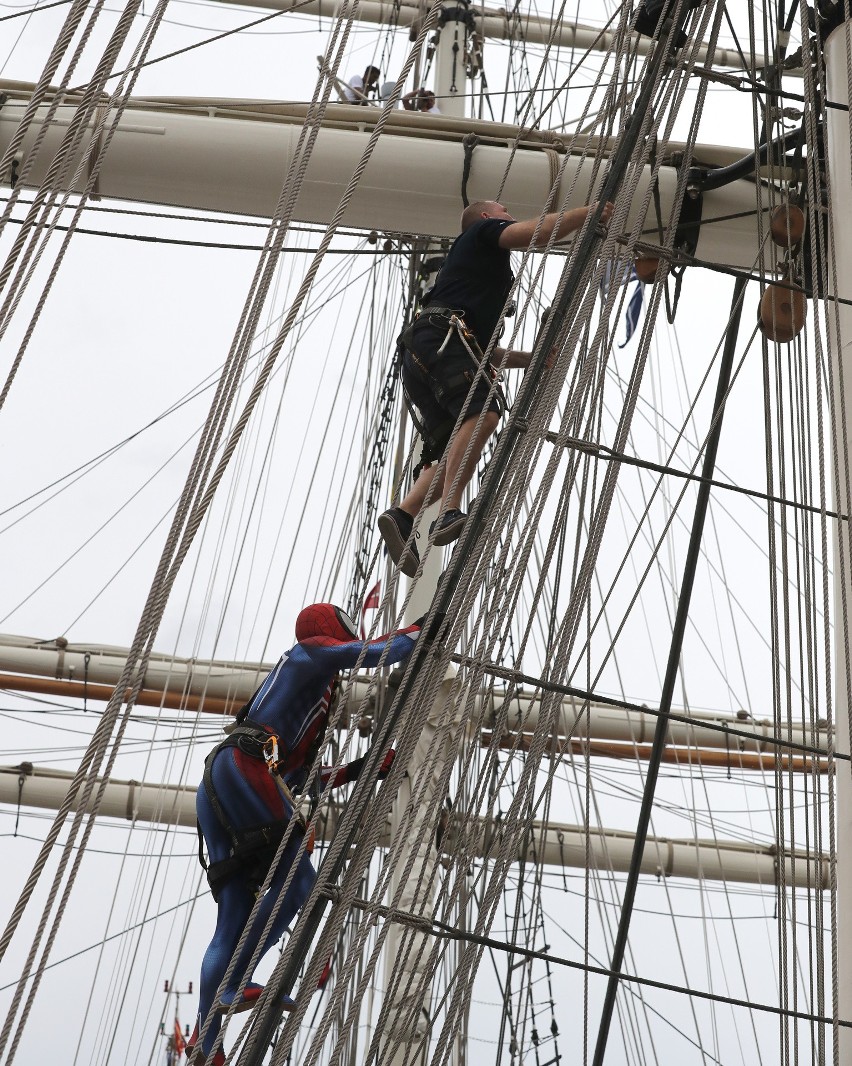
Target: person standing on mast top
443,352
250,792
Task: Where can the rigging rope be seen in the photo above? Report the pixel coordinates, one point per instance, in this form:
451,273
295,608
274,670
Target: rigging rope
499,590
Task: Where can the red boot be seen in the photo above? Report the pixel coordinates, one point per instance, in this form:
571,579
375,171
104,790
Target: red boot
218,1058
250,996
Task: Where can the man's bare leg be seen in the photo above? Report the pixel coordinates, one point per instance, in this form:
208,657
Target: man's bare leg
467,431
416,496
395,527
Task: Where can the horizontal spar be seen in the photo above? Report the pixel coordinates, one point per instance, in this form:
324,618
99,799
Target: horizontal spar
496,24
737,754
551,845
60,668
232,157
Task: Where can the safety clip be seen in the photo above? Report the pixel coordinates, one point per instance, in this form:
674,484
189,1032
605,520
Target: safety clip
270,753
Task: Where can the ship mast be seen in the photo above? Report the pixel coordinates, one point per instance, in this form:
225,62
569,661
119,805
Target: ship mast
839,314
449,69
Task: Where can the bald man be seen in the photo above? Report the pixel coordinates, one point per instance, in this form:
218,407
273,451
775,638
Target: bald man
441,363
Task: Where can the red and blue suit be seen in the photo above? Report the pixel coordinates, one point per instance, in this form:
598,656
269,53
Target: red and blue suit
292,705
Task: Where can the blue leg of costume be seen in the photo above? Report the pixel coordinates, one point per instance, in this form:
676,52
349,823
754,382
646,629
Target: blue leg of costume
244,807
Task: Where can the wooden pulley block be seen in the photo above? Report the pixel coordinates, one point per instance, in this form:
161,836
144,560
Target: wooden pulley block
646,269
787,225
782,312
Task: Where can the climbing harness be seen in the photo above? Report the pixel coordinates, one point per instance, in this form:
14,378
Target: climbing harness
450,385
456,324
252,849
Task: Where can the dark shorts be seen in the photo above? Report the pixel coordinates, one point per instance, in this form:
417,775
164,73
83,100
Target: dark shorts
439,385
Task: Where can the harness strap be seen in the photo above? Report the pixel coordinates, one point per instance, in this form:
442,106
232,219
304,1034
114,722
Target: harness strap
249,738
252,850
448,386
270,754
455,318
252,858
242,713
434,311
466,335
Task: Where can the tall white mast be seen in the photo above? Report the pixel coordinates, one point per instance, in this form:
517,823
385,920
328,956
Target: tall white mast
454,21
412,883
837,52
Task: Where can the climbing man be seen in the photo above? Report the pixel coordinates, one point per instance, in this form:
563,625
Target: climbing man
443,352
248,796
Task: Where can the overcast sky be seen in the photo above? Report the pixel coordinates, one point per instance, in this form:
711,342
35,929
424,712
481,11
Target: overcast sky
130,330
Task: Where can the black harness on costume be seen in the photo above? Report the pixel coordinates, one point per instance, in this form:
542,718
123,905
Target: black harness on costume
254,848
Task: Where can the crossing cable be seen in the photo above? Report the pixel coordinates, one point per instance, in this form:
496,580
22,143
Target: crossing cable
729,514
585,696
607,454
90,161
146,238
34,10
658,544
209,40
652,771
585,246
145,636
449,932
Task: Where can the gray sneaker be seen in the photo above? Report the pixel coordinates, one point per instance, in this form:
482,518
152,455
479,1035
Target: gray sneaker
395,528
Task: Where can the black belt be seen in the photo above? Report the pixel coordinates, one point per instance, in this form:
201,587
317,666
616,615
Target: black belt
441,312
406,338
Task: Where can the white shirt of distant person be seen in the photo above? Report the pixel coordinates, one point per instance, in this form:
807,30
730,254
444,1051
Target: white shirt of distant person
361,87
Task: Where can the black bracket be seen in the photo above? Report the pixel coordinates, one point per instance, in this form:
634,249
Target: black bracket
457,13
651,12
830,15
689,222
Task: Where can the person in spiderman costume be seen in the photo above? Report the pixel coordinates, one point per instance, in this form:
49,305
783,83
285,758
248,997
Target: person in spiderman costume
244,807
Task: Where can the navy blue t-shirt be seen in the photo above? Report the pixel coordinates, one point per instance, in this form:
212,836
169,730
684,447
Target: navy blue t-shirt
476,277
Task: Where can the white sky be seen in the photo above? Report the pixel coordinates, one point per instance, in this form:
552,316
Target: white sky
130,329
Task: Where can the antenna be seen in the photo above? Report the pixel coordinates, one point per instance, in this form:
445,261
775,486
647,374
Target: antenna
176,1040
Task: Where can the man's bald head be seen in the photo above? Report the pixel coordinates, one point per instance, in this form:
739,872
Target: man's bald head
480,209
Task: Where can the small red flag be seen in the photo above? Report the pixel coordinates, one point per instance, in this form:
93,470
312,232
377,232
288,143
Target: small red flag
179,1042
370,604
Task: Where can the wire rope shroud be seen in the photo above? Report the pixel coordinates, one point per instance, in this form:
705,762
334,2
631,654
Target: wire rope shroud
586,248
